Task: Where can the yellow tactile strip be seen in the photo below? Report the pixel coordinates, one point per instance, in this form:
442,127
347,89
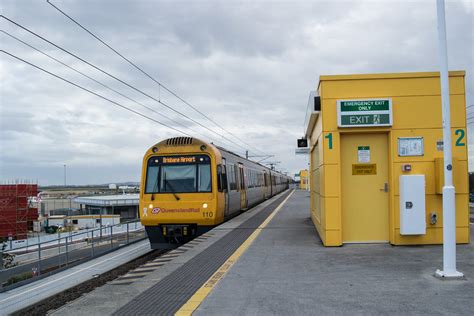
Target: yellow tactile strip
193,303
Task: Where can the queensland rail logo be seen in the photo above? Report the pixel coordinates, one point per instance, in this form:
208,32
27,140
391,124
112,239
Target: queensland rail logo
157,210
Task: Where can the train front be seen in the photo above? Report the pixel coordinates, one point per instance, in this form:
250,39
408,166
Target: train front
179,196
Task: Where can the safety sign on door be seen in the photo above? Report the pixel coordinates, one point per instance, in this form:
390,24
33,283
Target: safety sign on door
363,154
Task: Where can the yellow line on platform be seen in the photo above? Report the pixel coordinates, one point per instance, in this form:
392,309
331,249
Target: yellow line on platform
193,303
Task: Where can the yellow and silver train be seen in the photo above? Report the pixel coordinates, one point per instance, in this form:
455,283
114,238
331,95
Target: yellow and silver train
189,186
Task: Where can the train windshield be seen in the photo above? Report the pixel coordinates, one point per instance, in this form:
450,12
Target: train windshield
178,174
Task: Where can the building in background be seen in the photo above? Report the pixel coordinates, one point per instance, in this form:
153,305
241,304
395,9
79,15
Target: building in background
125,205
77,222
17,210
304,184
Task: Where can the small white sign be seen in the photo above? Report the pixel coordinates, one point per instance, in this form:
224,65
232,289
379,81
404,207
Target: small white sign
363,154
410,146
302,151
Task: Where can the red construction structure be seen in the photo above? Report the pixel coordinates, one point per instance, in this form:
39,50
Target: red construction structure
16,210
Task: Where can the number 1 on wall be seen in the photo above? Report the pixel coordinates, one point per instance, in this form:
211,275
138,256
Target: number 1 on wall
329,137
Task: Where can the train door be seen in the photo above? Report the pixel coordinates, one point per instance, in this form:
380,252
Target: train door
226,185
243,190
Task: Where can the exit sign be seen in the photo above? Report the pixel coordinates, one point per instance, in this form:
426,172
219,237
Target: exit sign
364,113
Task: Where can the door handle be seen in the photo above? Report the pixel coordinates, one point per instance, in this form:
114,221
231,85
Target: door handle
385,187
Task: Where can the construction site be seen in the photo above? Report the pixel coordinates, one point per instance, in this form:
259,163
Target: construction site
17,210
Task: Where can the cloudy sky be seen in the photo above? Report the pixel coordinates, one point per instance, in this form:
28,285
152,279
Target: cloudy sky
248,65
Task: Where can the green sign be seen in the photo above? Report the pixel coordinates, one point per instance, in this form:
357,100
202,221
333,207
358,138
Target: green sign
365,119
365,106
364,113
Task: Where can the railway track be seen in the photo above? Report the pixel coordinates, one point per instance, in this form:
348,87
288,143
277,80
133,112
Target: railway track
57,301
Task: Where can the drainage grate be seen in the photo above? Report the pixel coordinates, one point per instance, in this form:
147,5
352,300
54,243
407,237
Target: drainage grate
172,292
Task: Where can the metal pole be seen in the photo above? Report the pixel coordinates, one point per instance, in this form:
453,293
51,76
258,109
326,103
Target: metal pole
449,197
92,243
111,237
64,174
59,250
39,256
67,252
100,214
128,237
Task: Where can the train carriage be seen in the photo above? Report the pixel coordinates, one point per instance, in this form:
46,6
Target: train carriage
189,186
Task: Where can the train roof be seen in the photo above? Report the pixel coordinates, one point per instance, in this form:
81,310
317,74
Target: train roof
177,141
255,162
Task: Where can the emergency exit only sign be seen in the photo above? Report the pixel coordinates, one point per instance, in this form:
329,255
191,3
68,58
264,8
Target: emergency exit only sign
364,113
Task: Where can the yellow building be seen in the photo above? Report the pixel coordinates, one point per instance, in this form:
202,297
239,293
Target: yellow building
304,179
376,144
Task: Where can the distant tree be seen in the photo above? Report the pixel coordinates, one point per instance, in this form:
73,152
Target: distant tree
7,258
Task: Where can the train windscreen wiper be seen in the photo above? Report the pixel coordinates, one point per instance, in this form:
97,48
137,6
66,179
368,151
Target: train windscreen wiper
172,189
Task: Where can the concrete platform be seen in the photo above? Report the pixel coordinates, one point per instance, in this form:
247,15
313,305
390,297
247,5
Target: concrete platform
138,292
287,271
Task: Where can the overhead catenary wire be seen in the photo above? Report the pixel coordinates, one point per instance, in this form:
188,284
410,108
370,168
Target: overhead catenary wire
121,81
96,81
94,93
160,85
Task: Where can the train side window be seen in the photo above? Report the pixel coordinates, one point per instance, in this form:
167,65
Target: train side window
231,175
221,179
236,173
242,178
225,181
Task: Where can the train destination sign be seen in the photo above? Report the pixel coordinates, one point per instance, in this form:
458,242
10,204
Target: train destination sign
364,113
188,159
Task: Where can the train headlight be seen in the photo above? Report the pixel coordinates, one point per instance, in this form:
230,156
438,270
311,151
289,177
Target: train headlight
150,206
154,149
204,205
203,147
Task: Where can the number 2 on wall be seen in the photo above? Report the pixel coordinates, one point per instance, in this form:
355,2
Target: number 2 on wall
329,137
461,134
